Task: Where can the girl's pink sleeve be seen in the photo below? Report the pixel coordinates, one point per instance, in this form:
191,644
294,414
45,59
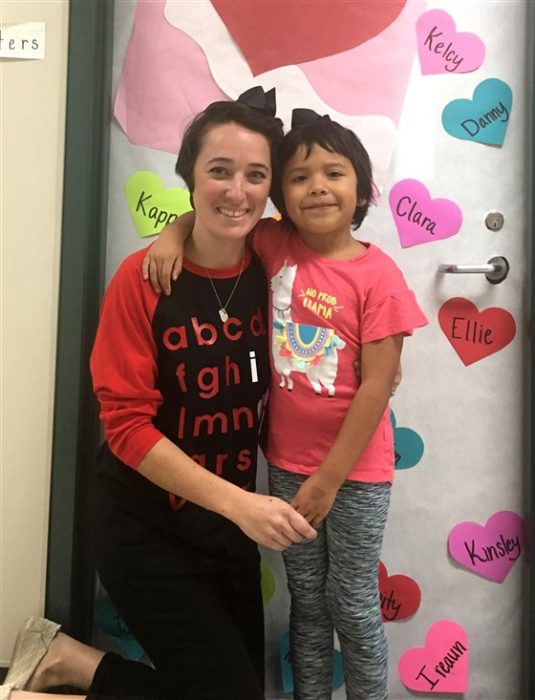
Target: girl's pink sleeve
124,364
266,236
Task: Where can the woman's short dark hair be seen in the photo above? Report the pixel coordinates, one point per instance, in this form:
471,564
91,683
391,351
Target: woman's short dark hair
217,114
335,138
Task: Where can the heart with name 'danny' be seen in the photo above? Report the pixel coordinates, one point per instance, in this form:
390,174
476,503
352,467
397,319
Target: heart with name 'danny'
475,334
274,34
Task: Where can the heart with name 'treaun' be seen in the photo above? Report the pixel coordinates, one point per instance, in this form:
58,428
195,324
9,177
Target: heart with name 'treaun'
442,665
274,34
489,550
475,334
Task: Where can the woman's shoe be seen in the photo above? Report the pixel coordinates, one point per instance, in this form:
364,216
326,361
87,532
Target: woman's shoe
32,643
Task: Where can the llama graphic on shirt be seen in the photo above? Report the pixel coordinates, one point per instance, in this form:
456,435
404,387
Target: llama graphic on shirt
298,347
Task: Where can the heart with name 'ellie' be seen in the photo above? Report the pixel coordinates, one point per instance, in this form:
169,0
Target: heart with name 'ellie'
474,334
489,550
483,119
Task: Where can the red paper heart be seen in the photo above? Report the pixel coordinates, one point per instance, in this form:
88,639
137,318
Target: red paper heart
400,595
287,32
475,334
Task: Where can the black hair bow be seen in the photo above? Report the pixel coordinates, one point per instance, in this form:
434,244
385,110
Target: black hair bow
258,99
303,117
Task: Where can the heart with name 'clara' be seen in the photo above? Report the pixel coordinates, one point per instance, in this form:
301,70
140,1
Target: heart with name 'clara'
274,34
475,334
442,665
420,219
400,595
489,550
483,119
441,49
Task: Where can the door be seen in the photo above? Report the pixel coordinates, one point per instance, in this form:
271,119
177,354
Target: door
456,527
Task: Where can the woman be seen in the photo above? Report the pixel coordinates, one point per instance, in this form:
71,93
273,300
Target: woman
181,381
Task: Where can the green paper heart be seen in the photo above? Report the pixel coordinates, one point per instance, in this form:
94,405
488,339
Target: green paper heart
269,585
152,205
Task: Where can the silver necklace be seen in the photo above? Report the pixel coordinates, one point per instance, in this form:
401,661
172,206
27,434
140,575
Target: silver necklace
223,315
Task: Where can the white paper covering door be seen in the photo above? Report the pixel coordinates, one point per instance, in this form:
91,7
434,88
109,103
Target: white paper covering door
459,427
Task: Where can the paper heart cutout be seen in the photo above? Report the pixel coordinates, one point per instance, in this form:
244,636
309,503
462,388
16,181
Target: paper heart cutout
420,219
286,666
151,204
110,623
489,550
483,119
441,49
408,446
442,665
271,34
475,334
269,584
400,595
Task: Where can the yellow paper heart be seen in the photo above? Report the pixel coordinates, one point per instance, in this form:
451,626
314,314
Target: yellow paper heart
151,204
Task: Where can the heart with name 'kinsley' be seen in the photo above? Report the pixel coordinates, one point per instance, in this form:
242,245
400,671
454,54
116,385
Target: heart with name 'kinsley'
474,334
442,665
441,49
485,118
489,550
400,595
418,217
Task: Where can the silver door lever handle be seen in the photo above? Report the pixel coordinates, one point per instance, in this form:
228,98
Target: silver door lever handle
495,270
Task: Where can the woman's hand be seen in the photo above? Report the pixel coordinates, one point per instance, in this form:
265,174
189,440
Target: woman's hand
315,498
272,522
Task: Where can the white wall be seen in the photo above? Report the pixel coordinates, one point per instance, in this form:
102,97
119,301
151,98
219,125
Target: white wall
32,142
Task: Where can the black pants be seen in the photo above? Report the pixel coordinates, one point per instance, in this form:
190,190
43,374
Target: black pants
203,633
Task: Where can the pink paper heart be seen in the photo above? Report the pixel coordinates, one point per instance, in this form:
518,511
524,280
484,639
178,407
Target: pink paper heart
420,219
442,665
441,49
489,550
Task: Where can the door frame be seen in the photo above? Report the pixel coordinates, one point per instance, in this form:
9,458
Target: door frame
76,433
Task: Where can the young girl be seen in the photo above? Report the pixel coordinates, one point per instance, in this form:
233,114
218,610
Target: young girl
334,300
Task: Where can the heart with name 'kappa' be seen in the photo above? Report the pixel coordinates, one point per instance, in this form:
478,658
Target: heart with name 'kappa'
489,550
151,204
274,34
442,665
441,49
475,334
400,595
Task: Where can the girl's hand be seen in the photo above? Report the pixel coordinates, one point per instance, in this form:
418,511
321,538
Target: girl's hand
163,263
271,522
315,498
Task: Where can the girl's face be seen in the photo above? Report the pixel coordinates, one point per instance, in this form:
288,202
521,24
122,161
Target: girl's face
232,177
320,192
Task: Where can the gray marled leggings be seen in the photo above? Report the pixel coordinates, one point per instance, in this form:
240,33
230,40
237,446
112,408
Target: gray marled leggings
333,583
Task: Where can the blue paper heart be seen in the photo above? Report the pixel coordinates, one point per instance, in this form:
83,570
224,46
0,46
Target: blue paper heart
483,119
108,620
286,666
408,446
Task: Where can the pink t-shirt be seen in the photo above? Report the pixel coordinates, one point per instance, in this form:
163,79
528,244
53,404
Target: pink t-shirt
322,310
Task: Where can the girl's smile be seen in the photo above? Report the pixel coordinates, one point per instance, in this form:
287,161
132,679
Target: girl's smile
320,193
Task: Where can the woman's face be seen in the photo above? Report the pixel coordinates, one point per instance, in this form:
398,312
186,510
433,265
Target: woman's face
232,178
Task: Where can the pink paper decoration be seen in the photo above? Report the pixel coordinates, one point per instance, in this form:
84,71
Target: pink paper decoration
420,219
442,665
442,49
489,550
